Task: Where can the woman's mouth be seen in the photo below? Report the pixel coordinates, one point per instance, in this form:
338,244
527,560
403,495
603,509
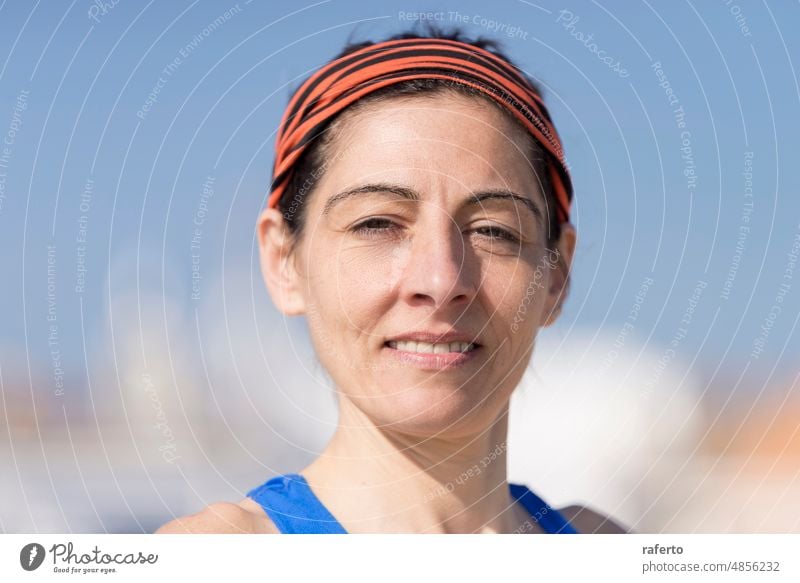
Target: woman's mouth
431,355
431,348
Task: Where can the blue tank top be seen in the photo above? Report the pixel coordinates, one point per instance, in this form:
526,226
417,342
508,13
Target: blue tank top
294,508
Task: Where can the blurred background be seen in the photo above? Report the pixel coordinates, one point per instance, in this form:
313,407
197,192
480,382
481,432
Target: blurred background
144,372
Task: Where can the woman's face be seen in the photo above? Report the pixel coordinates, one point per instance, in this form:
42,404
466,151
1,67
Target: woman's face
422,268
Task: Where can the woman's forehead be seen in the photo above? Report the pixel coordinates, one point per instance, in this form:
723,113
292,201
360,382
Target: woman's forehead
433,139
438,115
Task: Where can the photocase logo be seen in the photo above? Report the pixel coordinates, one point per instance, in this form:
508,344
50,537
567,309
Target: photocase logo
31,556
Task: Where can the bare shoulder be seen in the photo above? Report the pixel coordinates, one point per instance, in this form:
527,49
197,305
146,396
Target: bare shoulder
588,521
245,517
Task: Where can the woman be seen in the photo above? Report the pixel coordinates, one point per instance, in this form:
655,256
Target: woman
419,219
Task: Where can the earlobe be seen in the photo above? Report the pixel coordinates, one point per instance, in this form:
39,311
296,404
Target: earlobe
277,265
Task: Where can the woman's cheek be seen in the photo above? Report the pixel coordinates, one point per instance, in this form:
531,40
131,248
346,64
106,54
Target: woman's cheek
516,299
369,273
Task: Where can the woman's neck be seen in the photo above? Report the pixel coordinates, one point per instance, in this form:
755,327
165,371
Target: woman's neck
374,480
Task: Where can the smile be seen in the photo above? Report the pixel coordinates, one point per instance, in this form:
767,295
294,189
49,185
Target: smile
431,348
431,355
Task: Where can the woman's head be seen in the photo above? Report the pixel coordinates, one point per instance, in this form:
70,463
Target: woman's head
421,214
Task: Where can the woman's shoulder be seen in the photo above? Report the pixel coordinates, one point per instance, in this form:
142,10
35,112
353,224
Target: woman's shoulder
589,521
245,517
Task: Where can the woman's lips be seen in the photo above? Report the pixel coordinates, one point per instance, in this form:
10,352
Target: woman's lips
430,360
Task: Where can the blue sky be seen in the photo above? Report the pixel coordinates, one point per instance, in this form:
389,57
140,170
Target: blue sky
683,149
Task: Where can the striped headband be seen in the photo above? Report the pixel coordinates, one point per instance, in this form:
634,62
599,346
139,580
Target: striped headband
340,83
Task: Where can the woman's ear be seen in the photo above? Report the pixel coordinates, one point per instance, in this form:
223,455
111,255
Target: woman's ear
278,263
559,262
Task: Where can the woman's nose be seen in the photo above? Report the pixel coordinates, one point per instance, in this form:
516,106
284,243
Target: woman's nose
439,271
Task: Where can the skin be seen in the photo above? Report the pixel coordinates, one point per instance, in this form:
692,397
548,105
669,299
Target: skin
412,250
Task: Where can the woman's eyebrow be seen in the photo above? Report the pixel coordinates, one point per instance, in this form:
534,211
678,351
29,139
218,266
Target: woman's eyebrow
479,197
378,187
410,194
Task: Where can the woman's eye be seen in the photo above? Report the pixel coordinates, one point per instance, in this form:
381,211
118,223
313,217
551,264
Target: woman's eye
497,233
378,226
374,226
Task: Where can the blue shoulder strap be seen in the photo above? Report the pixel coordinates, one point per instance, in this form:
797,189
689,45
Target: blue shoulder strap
293,506
550,519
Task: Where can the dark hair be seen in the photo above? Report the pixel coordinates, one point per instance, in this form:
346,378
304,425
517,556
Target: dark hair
311,164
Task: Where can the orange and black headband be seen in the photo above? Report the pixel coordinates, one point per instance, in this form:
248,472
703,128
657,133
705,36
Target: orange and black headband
342,82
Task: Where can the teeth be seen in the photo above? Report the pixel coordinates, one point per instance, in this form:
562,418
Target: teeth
429,348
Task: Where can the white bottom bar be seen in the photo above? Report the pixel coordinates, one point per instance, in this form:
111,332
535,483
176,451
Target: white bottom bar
423,558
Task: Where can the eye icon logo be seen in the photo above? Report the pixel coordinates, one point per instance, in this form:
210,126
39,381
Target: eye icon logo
31,556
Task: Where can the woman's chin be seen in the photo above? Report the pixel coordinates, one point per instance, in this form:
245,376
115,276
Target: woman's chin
427,412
